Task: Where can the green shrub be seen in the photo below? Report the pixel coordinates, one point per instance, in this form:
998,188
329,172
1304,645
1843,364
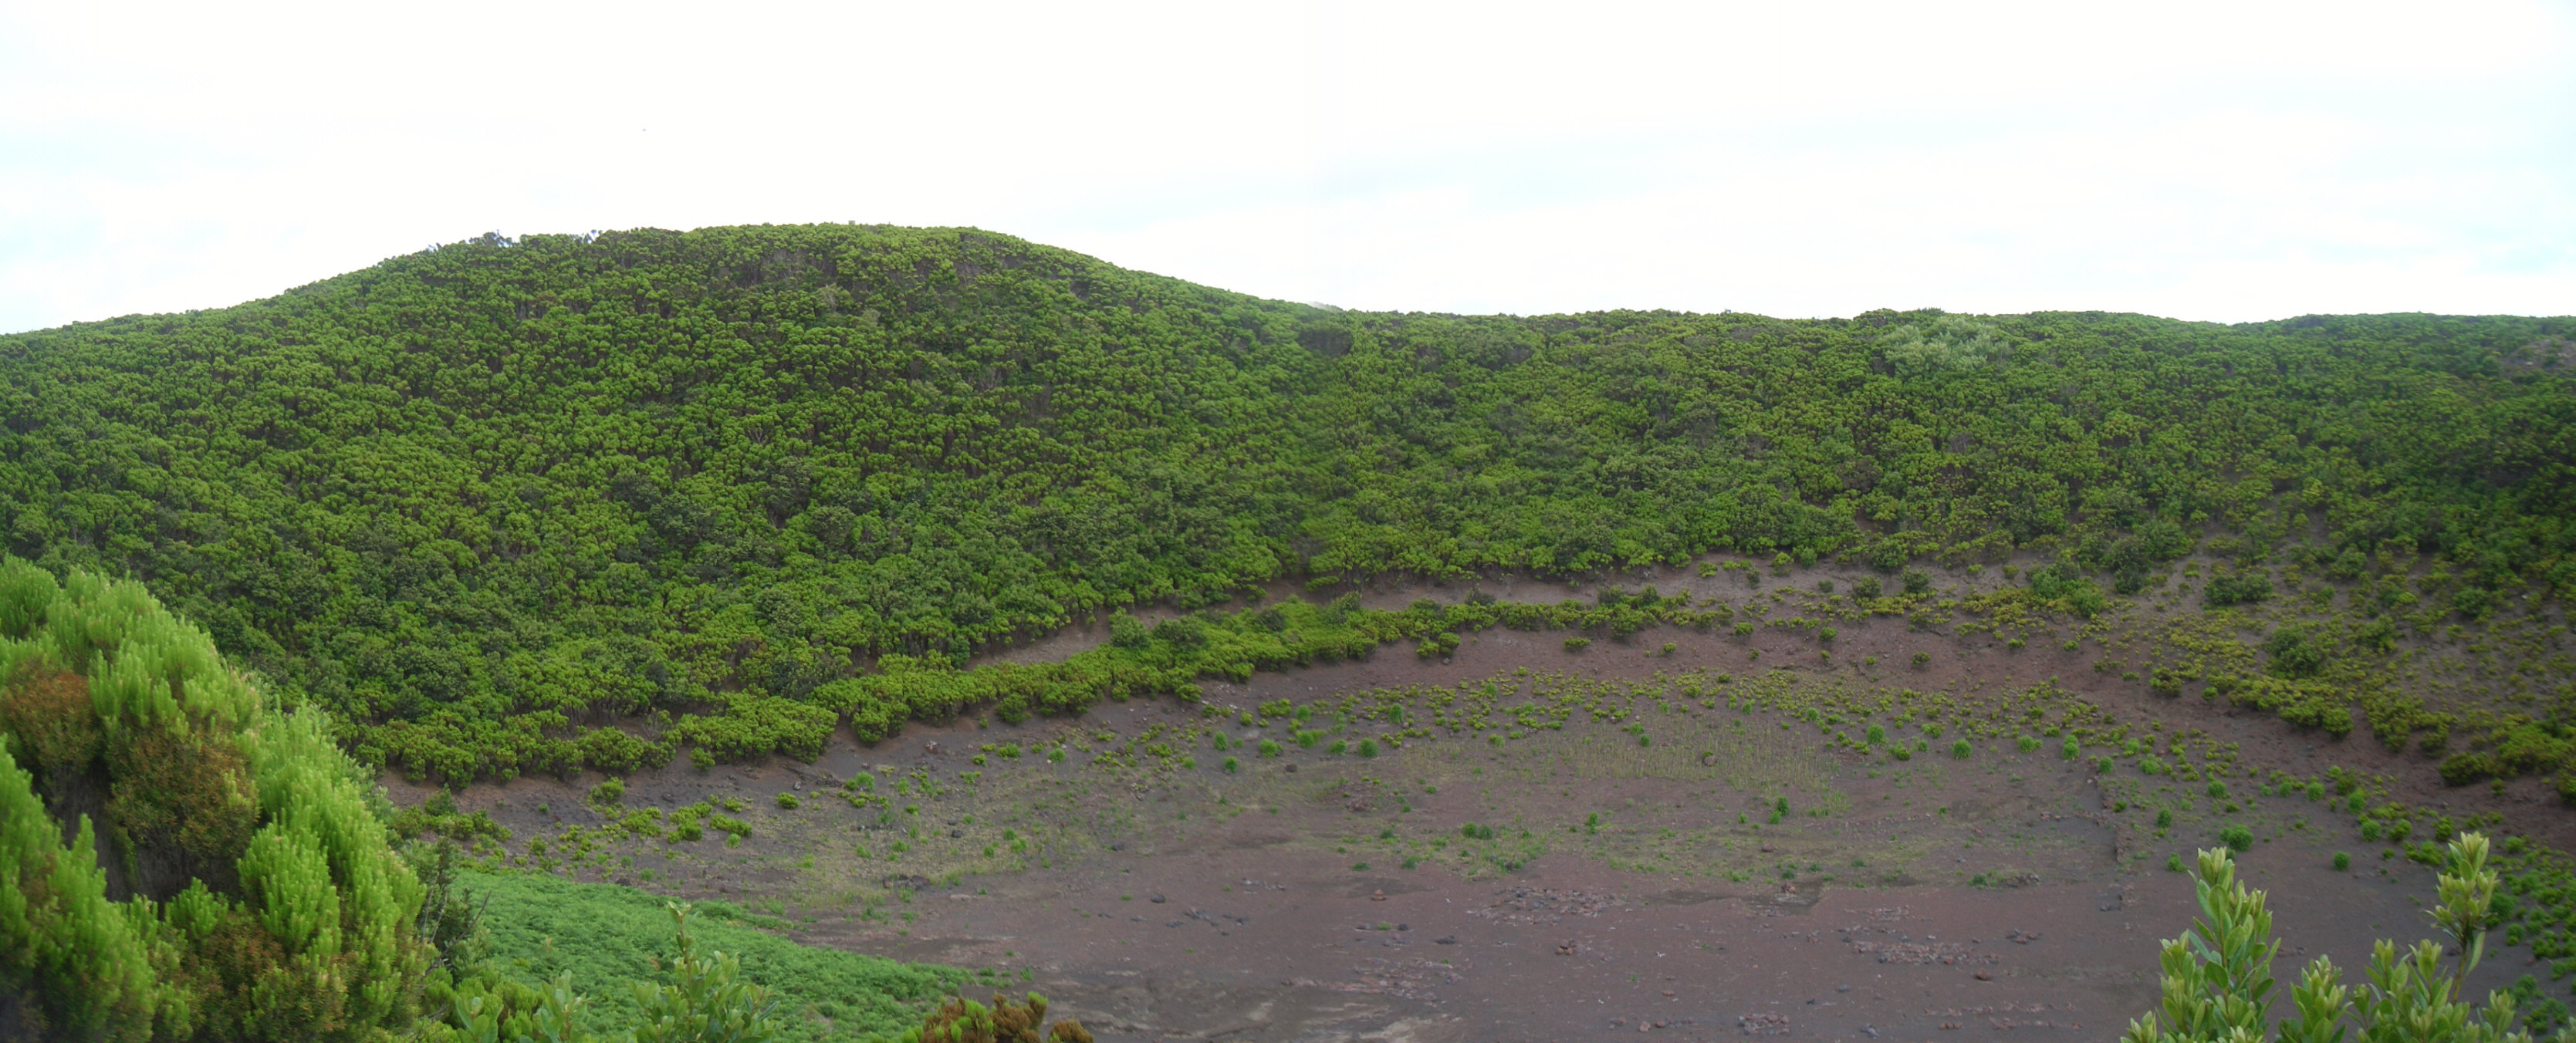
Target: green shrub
963,1020
2342,862
2236,837
197,777
2217,979
1960,749
2297,650
2239,589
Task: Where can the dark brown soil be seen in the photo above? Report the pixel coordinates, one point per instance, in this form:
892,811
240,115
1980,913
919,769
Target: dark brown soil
1896,900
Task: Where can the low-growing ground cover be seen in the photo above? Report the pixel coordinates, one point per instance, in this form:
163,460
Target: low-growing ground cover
609,937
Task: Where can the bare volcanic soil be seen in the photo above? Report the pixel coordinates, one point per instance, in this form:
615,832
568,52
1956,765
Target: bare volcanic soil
1654,864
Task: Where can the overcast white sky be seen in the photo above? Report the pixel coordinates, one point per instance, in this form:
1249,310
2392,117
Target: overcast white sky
2225,161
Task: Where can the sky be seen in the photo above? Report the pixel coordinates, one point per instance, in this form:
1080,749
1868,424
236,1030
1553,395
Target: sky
2223,162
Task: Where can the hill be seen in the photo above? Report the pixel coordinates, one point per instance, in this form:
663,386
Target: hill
512,506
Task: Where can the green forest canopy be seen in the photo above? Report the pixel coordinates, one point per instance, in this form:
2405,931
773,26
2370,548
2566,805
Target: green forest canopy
472,496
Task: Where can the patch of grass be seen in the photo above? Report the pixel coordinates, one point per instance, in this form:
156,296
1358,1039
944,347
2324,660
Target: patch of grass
608,936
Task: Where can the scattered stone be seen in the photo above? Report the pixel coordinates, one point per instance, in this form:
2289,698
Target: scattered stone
1446,939
1157,899
1524,905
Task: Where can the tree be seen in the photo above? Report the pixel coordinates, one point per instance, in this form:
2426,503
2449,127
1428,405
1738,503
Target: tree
252,862
2218,978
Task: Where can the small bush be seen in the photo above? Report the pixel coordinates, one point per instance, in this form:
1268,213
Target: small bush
1960,749
1269,748
1577,644
2240,589
1368,747
787,801
2461,769
962,1020
2342,862
609,792
2237,838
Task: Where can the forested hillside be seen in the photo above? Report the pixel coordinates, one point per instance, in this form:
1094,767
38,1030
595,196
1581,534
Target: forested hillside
488,501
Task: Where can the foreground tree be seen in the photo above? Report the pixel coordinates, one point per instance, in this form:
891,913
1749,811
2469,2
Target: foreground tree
179,857
2218,978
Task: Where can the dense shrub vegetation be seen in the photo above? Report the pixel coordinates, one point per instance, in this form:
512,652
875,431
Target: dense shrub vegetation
227,873
483,501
